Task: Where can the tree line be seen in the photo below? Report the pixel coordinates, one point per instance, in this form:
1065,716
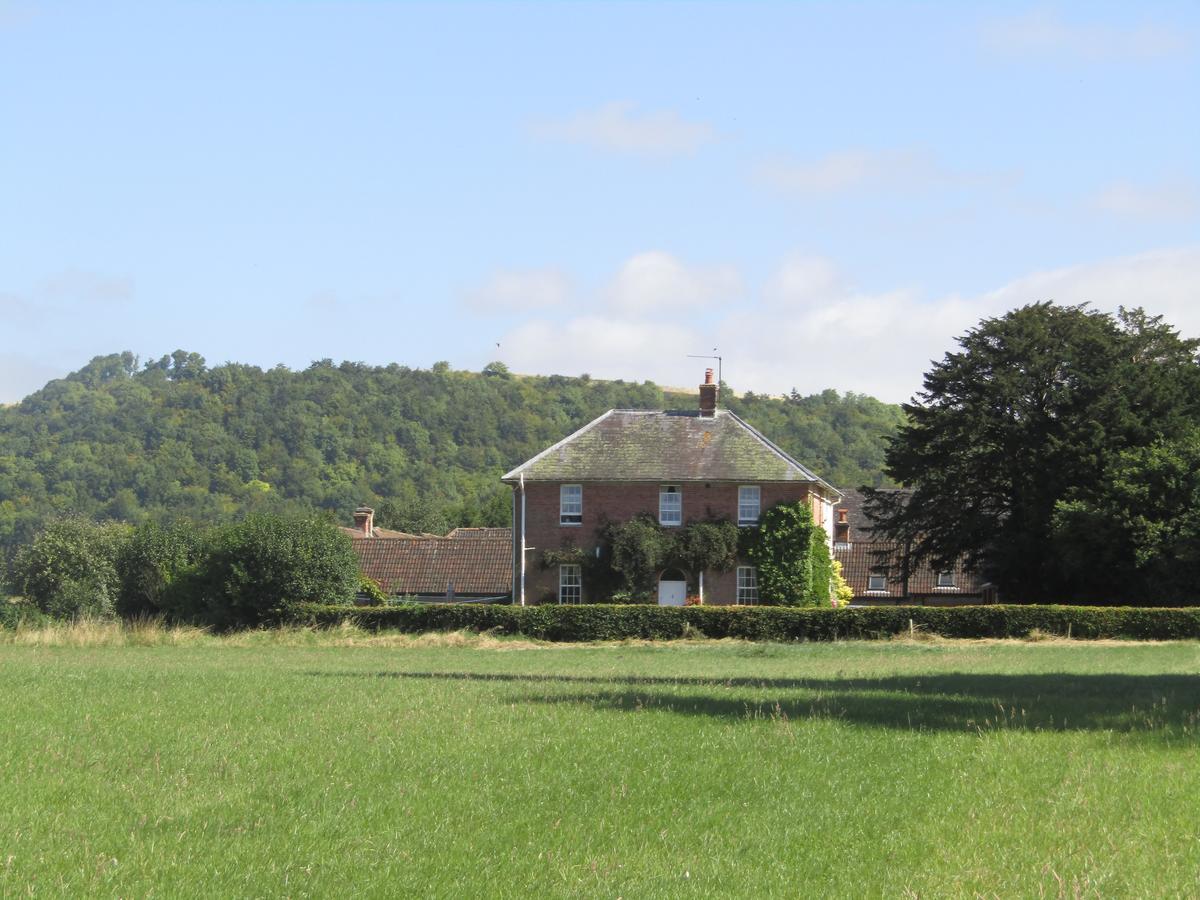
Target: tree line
256,571
173,438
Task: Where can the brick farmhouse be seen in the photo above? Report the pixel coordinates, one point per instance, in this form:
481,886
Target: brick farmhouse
677,466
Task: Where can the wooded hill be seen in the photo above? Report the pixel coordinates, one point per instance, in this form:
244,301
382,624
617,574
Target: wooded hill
177,439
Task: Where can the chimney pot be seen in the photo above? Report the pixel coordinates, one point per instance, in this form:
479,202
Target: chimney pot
708,376
364,521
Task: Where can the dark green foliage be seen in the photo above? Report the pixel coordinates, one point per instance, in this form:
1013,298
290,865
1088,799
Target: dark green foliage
155,564
1141,527
246,573
765,623
707,545
790,551
179,440
1030,420
822,568
638,550
15,613
263,568
69,570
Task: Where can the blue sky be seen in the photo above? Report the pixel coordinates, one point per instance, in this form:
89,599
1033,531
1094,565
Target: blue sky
826,192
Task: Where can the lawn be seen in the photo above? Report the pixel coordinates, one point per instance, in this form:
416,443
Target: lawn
270,765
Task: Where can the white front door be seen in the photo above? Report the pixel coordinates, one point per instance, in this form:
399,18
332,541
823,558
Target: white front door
672,593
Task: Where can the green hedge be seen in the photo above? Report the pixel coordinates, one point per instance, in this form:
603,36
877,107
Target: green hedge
765,623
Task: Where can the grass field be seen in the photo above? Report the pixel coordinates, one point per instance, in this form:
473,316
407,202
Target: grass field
302,764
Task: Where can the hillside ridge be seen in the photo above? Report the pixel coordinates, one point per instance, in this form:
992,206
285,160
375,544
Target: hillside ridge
174,439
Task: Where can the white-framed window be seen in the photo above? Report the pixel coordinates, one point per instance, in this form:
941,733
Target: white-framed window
670,505
570,504
749,504
945,579
570,584
747,586
877,581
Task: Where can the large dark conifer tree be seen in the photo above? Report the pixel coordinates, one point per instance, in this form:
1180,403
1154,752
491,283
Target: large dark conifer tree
1030,414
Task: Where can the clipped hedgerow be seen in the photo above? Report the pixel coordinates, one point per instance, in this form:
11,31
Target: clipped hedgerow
598,622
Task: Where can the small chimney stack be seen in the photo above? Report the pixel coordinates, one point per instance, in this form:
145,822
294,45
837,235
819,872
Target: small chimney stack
364,521
708,395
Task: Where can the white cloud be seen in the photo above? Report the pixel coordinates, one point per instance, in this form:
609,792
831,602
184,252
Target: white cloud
656,282
1170,200
803,279
1165,282
1043,33
839,171
617,127
810,329
851,170
522,290
603,346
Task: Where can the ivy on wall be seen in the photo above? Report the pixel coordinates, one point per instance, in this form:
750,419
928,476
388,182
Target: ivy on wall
791,553
634,553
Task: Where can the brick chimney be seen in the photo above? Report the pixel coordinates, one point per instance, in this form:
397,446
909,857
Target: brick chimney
708,395
841,528
364,521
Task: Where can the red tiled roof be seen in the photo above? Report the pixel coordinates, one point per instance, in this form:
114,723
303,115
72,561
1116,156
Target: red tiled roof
861,558
431,566
378,532
490,534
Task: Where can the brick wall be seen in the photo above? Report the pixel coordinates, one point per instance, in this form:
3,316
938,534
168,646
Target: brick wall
618,502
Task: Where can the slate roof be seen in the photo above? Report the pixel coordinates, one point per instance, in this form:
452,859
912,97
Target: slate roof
481,565
856,516
642,445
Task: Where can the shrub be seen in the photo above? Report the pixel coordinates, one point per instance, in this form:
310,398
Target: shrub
368,587
263,568
158,567
765,623
625,597
842,592
70,569
15,611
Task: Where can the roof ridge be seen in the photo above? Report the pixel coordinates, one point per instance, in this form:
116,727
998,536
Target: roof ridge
667,443
574,434
785,456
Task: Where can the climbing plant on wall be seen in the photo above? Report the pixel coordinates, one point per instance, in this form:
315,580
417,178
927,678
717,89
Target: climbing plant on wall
792,556
635,552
